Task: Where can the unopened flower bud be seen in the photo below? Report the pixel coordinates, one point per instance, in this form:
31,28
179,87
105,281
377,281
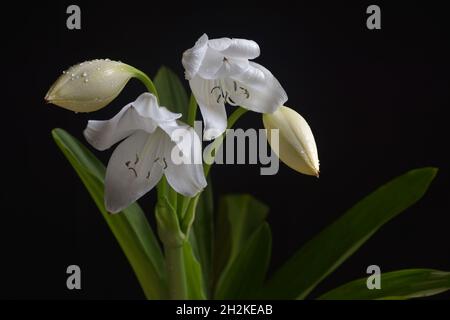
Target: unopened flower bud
90,85
296,146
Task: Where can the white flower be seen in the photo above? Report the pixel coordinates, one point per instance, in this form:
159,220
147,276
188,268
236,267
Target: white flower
219,72
90,85
296,146
139,162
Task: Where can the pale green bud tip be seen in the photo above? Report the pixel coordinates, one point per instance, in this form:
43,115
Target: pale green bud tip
90,85
296,146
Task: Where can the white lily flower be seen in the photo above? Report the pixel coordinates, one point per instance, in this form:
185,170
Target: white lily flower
139,162
219,72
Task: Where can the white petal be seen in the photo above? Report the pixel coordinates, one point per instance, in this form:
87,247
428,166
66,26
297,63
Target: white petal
254,74
103,134
242,48
211,64
186,178
256,89
184,136
211,106
133,169
142,114
219,44
232,67
147,106
193,57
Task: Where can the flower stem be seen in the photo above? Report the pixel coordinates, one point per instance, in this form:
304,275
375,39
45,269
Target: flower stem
235,117
145,80
173,253
175,270
192,111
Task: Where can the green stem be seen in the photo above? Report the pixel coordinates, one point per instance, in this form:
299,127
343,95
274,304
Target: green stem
176,272
173,254
138,74
235,116
192,111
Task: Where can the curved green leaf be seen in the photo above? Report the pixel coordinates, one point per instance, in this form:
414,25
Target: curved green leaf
194,277
243,279
201,236
396,285
130,227
239,217
324,253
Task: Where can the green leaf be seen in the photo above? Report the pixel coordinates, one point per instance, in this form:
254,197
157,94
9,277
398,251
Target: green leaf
130,227
324,253
245,276
194,276
202,233
396,285
238,218
171,91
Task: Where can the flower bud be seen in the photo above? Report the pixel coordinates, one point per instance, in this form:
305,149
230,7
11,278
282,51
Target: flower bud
296,146
90,85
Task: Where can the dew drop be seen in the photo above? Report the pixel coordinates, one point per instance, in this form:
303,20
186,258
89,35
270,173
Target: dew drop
84,74
86,80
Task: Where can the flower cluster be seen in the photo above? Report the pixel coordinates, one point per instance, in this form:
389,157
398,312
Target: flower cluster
154,142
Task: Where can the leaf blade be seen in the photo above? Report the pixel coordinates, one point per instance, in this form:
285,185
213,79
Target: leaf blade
245,276
347,234
130,227
401,284
239,217
202,233
194,276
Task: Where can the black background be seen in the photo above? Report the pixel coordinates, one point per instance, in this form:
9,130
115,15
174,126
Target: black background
375,100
